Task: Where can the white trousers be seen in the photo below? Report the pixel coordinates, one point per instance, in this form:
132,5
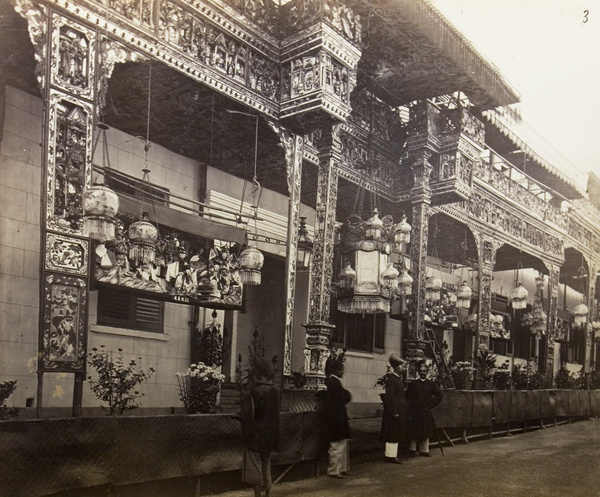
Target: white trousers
339,457
423,445
391,450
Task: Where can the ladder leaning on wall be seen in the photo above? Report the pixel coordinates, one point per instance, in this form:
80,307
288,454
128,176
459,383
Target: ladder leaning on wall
439,360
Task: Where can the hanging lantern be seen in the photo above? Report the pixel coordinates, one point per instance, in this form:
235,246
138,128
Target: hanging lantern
405,282
401,235
463,296
580,312
518,297
596,328
100,206
433,288
99,203
471,322
347,276
374,226
390,277
527,319
251,262
539,324
305,246
143,236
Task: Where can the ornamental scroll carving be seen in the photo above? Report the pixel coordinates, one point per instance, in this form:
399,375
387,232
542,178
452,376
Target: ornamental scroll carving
36,16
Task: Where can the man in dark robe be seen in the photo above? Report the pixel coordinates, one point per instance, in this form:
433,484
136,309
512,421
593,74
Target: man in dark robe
260,429
393,423
422,395
336,422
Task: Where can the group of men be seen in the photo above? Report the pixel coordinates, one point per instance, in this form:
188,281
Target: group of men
406,415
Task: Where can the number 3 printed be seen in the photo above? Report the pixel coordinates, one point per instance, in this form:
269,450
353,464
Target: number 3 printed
586,13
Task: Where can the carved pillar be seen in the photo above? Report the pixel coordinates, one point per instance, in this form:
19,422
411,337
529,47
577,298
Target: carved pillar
293,145
420,199
486,248
318,328
589,332
552,312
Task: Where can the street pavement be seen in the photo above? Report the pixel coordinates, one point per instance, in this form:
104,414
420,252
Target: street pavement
562,461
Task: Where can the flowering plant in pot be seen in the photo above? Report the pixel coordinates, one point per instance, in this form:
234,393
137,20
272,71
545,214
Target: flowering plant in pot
199,387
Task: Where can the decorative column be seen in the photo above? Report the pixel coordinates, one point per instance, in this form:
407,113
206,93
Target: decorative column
318,328
420,200
588,330
552,312
74,63
293,146
486,248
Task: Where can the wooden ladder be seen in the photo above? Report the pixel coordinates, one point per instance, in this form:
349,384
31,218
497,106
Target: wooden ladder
439,359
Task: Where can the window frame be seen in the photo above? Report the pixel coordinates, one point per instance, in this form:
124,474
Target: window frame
373,341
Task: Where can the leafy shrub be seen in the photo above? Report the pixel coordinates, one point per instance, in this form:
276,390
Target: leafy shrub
568,381
116,380
462,375
298,379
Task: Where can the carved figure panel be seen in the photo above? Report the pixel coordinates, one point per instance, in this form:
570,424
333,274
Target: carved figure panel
218,50
63,339
139,11
73,53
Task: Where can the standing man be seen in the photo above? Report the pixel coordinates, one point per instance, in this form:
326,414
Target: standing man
260,428
422,395
336,422
393,423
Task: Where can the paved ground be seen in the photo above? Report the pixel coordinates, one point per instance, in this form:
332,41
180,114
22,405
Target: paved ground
561,461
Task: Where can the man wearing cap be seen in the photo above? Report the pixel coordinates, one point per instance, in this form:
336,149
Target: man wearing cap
393,423
422,395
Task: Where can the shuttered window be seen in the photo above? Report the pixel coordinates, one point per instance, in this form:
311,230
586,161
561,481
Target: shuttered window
359,332
127,310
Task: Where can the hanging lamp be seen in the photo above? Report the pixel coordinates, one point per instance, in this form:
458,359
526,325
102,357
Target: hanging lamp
143,235
581,311
401,234
405,282
251,260
100,204
305,246
433,287
519,294
390,277
463,296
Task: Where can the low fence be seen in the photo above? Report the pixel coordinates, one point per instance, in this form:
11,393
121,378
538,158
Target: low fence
472,409
45,456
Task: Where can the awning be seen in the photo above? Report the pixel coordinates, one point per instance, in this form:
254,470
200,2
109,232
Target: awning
552,166
182,221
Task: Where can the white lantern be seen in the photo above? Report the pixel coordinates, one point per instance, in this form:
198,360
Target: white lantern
518,297
405,282
401,234
374,226
251,262
433,286
580,312
100,206
347,276
463,296
390,277
143,236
